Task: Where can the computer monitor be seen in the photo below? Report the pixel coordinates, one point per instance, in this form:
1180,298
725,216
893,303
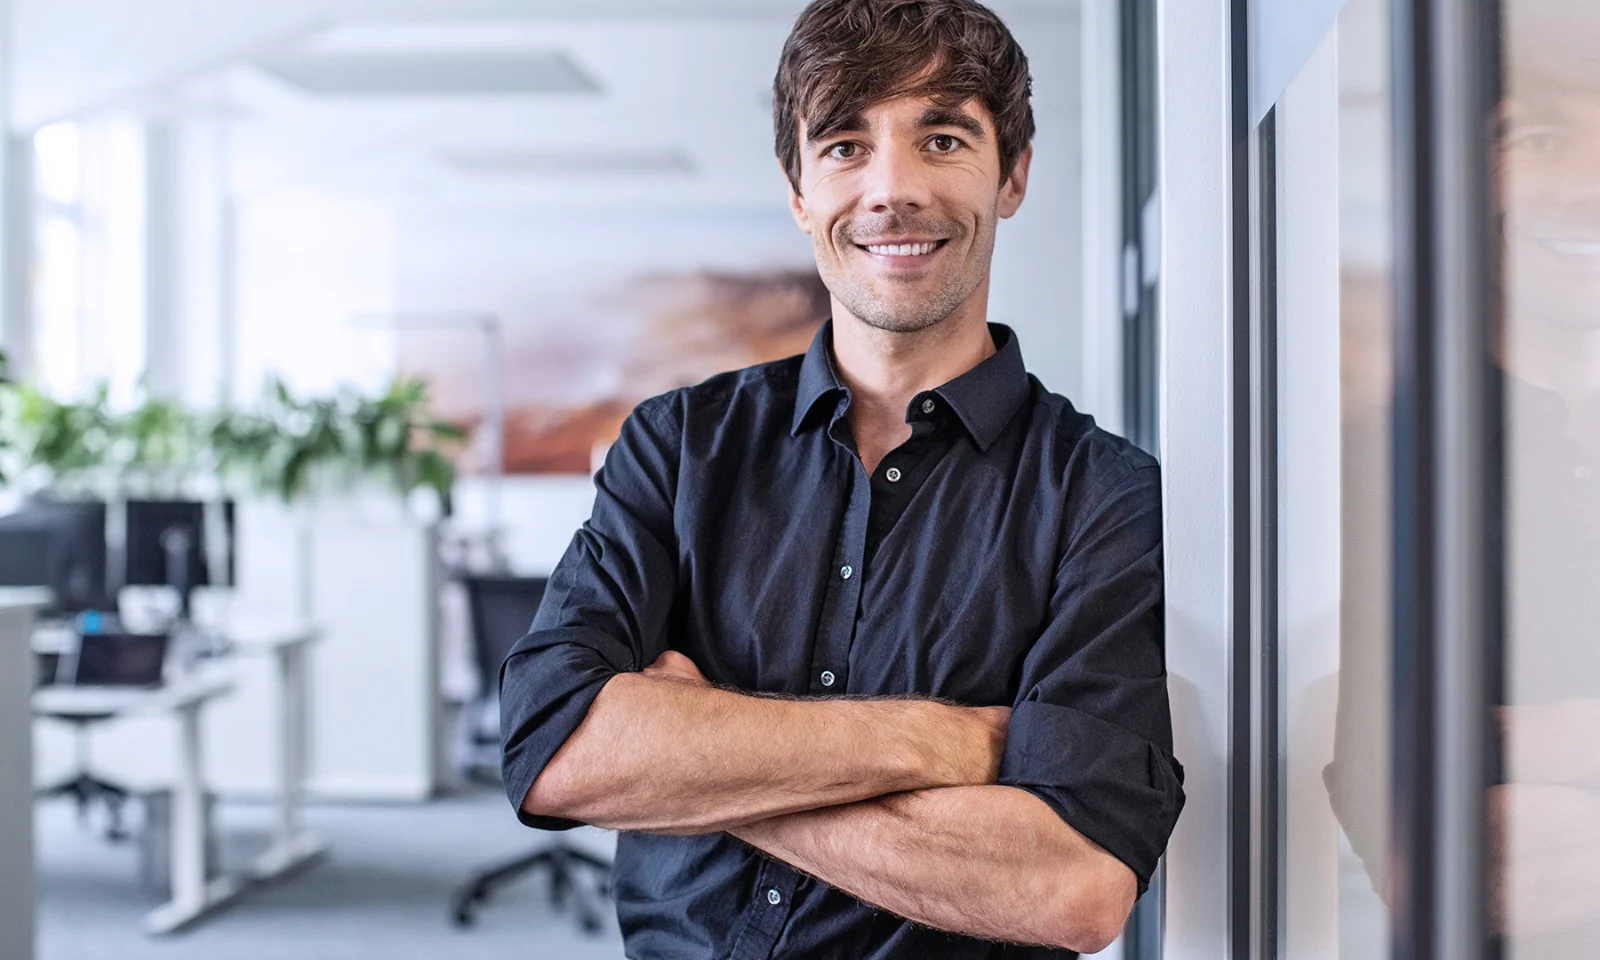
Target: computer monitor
24,555
59,544
169,543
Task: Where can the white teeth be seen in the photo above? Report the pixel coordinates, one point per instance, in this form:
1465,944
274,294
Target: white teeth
902,249
1578,248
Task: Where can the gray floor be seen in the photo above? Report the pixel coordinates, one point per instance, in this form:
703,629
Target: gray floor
383,892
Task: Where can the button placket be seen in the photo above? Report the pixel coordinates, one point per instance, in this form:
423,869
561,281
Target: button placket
830,653
766,917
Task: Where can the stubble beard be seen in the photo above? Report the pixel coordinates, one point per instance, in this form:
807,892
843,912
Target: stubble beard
855,290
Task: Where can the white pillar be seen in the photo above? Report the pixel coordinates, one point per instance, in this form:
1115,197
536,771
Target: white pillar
16,200
16,251
164,342
1196,306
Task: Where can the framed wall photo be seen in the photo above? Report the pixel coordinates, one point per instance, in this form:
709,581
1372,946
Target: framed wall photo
584,338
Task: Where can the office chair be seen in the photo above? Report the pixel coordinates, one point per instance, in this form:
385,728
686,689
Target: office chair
62,545
84,786
501,609
110,659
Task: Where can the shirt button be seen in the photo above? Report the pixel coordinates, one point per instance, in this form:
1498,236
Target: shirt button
927,406
846,572
827,678
893,474
774,897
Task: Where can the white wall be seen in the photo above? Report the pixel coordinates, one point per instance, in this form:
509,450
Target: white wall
1100,136
1038,259
307,262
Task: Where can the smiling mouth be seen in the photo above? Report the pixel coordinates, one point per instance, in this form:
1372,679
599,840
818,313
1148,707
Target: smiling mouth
903,251
1571,247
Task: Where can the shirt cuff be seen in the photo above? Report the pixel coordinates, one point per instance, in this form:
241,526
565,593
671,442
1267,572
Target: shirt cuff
546,689
1114,787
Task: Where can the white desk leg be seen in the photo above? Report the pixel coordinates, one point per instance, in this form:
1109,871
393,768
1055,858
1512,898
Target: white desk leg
188,826
292,847
292,746
192,896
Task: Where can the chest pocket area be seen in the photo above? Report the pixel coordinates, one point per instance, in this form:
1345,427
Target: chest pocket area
964,638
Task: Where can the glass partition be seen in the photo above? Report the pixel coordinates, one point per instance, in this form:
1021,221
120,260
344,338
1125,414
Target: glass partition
1545,808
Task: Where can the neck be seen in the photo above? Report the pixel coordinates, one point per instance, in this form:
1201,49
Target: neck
1560,360
885,369
1564,362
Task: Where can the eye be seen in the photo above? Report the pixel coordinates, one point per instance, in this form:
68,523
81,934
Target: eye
944,143
1540,142
843,151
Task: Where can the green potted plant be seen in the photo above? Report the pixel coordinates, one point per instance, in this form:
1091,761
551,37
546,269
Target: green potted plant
5,421
64,446
157,449
395,437
291,446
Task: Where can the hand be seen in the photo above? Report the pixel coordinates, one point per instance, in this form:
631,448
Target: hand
673,665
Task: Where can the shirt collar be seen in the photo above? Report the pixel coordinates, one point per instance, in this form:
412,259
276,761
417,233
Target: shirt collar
990,394
984,398
818,379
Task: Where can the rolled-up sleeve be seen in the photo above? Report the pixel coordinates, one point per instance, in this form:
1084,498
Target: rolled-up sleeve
1091,731
606,608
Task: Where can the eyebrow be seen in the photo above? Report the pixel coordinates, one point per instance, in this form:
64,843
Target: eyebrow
931,117
854,123
947,117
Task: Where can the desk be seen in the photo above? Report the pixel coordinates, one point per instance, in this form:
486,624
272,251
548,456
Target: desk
17,608
193,896
287,643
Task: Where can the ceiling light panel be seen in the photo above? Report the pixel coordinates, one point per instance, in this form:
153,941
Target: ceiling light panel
432,73
534,163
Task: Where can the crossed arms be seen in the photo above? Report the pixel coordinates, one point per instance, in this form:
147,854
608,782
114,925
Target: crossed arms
893,801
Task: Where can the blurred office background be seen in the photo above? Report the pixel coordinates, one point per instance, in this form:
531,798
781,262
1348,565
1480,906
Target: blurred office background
351,296
342,263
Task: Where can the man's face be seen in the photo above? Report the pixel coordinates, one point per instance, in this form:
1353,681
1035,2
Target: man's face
901,206
1550,159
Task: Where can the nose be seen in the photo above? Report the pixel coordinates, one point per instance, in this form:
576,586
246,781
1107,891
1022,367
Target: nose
896,181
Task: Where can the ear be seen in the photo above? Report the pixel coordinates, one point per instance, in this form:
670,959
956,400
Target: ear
797,207
1016,185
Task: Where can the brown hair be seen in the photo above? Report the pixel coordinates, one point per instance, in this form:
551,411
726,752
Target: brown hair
845,55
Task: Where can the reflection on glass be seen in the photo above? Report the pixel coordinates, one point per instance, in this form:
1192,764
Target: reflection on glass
1545,814
1358,779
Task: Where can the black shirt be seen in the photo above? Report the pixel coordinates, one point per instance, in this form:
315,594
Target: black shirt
1008,554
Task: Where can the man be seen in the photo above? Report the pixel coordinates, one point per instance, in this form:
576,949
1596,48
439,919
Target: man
1544,805
862,650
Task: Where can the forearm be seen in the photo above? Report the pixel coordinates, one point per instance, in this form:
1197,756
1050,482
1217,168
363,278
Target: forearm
1549,743
1544,871
986,861
666,756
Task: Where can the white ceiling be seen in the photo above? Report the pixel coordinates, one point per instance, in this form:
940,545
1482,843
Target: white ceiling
681,117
